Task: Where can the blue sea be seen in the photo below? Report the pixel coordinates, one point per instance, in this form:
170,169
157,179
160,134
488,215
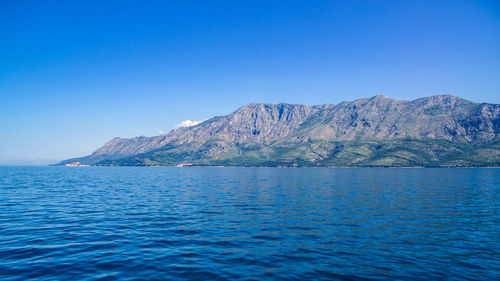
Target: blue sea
168,223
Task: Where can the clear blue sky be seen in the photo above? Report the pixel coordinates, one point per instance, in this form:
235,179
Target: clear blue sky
74,75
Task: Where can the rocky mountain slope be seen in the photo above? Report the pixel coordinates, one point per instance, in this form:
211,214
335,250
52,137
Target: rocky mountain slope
378,131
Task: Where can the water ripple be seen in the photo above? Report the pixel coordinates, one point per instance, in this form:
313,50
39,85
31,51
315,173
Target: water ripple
110,223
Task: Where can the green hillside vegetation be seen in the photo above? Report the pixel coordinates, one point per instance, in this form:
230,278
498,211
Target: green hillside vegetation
391,153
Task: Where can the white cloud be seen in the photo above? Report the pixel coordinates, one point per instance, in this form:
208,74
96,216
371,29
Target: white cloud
160,132
188,123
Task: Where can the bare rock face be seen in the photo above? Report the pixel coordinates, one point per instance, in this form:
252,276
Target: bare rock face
251,124
262,130
437,117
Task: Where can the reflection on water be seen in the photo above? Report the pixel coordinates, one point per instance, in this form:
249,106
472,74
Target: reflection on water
110,223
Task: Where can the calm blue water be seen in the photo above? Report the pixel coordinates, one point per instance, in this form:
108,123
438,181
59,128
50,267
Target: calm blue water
117,223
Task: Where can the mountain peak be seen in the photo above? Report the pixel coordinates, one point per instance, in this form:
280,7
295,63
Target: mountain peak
379,97
350,133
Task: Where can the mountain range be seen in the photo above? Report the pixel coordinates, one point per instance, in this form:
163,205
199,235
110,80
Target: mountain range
435,131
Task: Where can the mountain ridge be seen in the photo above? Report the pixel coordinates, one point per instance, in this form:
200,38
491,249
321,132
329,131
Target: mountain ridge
264,134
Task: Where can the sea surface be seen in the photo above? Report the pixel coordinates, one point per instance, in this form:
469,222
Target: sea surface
168,223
